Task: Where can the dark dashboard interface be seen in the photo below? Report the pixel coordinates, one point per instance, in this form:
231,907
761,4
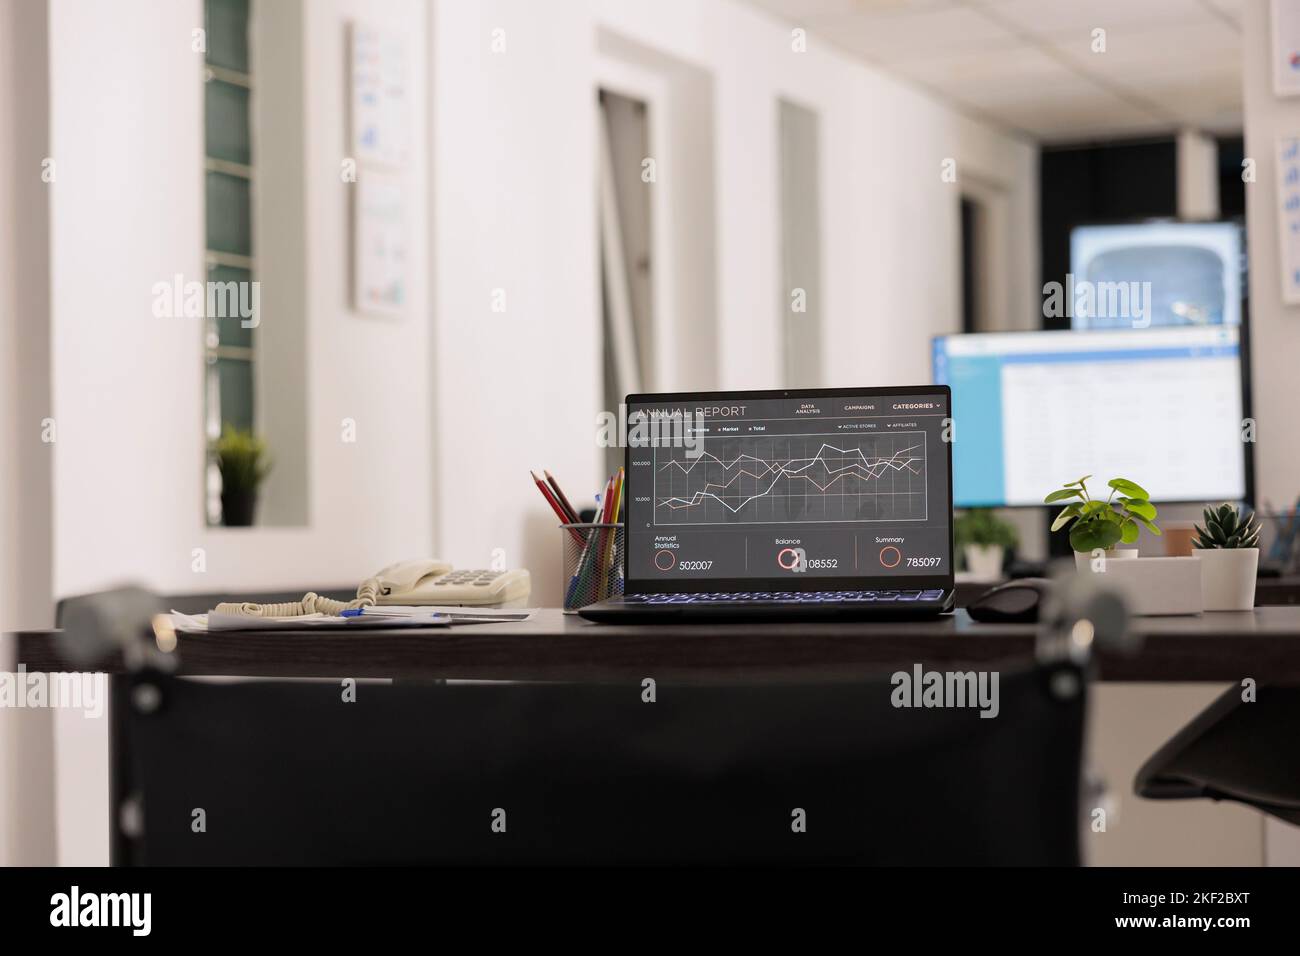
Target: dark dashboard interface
785,488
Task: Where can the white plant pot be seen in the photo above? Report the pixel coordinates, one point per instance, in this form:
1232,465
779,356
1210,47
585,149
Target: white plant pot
1083,559
1154,585
984,560
1228,577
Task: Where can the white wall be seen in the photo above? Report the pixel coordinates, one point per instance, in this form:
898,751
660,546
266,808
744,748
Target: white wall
513,166
26,565
128,212
513,202
451,415
128,114
512,138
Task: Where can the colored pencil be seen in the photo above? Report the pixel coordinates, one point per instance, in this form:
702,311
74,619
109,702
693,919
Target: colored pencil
611,562
555,506
602,551
618,496
561,497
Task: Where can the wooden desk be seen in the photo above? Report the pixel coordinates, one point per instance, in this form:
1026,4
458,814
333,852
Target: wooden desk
1268,591
1263,644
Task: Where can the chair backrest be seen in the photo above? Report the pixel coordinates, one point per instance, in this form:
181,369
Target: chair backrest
1233,750
288,772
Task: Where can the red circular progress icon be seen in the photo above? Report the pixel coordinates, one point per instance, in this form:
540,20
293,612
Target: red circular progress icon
660,563
890,556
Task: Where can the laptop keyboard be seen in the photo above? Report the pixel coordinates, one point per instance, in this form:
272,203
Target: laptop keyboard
786,597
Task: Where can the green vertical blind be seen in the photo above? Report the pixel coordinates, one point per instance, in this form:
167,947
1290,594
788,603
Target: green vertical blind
227,26
228,232
226,121
230,332
230,214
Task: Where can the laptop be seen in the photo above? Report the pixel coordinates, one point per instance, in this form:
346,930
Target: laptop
799,504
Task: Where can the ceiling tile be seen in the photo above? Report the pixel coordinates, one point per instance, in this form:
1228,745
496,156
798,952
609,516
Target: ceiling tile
986,73
929,32
796,11
1060,18
895,6
1210,99
1231,9
1075,117
1028,64
1138,54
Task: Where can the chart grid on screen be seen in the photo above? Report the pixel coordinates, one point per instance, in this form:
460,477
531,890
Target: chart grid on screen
747,479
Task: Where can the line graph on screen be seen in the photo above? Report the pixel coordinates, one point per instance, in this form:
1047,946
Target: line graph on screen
793,478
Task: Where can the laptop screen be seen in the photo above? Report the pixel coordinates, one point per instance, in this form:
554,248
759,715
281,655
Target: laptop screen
807,489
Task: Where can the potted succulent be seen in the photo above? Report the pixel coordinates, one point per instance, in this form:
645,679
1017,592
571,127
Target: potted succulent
242,460
983,540
1100,526
1228,549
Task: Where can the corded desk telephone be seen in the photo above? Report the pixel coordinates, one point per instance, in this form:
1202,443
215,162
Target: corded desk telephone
419,582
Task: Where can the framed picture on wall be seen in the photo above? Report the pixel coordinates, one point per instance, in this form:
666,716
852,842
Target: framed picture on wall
1286,47
380,250
379,96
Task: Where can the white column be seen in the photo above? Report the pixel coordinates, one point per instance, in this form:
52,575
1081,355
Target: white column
1198,175
26,526
1275,328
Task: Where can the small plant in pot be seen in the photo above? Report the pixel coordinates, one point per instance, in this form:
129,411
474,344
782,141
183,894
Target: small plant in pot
1099,527
243,462
1228,549
983,540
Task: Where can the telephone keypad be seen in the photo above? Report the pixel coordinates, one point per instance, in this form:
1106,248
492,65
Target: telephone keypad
480,576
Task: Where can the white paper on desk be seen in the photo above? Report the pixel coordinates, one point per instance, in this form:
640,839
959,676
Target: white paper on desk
458,615
210,622
190,623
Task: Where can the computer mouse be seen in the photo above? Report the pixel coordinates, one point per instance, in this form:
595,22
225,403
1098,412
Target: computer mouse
1015,602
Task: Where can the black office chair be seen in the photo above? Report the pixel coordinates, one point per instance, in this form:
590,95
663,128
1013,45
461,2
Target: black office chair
1233,750
286,772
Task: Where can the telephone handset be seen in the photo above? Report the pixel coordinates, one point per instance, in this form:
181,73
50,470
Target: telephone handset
419,582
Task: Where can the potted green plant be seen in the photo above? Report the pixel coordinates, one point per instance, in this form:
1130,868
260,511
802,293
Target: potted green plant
243,463
983,540
1228,549
1100,526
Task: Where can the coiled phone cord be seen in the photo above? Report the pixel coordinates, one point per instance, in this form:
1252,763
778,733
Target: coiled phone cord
311,603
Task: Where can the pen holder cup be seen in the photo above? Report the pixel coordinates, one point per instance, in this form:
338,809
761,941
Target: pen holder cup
593,563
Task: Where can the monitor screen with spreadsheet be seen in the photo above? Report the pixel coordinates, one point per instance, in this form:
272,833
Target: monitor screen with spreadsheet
1033,410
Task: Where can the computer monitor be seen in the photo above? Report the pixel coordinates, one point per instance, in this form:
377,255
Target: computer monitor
1033,410
1155,273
